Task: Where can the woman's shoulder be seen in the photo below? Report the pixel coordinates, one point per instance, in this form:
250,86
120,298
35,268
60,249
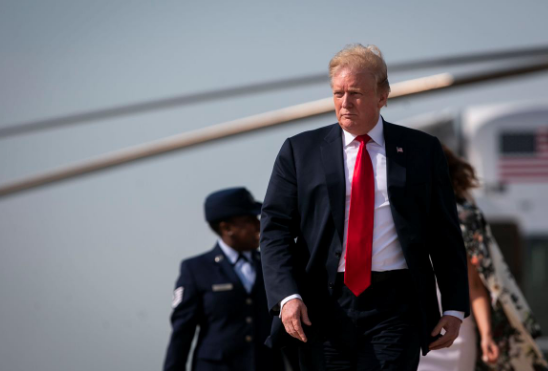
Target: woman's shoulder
467,206
469,213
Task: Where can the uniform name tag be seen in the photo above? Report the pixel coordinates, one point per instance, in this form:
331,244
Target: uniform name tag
222,287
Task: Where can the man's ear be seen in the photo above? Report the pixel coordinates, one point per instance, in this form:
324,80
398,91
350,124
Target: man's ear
383,99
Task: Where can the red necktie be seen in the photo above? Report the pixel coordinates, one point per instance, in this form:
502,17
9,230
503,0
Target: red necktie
359,240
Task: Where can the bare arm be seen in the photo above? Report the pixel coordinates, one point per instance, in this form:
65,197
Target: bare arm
479,299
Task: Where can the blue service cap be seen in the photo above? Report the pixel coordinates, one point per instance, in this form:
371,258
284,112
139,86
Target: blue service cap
230,202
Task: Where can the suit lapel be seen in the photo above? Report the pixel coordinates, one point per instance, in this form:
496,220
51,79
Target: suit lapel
226,268
397,150
333,165
396,156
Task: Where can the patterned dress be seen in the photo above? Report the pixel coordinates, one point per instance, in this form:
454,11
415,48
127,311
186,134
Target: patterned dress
513,326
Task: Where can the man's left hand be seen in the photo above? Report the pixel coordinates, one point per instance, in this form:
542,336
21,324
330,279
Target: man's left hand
451,325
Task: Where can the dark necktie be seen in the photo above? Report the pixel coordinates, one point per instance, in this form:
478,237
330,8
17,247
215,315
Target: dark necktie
246,272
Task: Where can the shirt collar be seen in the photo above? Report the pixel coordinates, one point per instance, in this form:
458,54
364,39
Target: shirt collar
232,254
376,134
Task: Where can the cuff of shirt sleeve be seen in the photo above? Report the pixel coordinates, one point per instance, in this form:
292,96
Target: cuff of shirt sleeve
454,313
290,297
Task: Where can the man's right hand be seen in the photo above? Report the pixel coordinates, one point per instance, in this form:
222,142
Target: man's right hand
292,313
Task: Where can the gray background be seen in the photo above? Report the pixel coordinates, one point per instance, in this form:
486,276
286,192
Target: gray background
87,266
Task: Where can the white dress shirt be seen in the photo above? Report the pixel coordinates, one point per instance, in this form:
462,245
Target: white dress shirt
387,253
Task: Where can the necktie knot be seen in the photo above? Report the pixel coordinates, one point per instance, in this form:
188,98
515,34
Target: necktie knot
243,258
363,138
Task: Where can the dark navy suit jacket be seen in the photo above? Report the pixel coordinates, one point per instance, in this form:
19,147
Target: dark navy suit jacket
302,223
233,324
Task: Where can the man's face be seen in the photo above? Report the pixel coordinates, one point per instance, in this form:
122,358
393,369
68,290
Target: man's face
244,232
357,100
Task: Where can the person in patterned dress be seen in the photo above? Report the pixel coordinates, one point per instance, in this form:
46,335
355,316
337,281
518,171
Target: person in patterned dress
503,326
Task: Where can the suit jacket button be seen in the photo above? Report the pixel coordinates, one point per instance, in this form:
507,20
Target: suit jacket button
249,319
331,285
249,338
249,301
338,254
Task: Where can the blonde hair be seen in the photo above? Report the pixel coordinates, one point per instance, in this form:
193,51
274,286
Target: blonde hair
367,58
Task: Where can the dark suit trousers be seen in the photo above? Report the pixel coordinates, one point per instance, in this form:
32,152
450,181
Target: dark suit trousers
377,330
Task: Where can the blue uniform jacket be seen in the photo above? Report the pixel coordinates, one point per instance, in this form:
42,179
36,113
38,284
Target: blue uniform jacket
233,324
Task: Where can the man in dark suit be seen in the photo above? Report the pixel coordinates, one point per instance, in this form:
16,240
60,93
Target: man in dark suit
357,218
222,292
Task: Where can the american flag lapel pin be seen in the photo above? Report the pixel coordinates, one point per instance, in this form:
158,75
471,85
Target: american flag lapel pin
399,149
